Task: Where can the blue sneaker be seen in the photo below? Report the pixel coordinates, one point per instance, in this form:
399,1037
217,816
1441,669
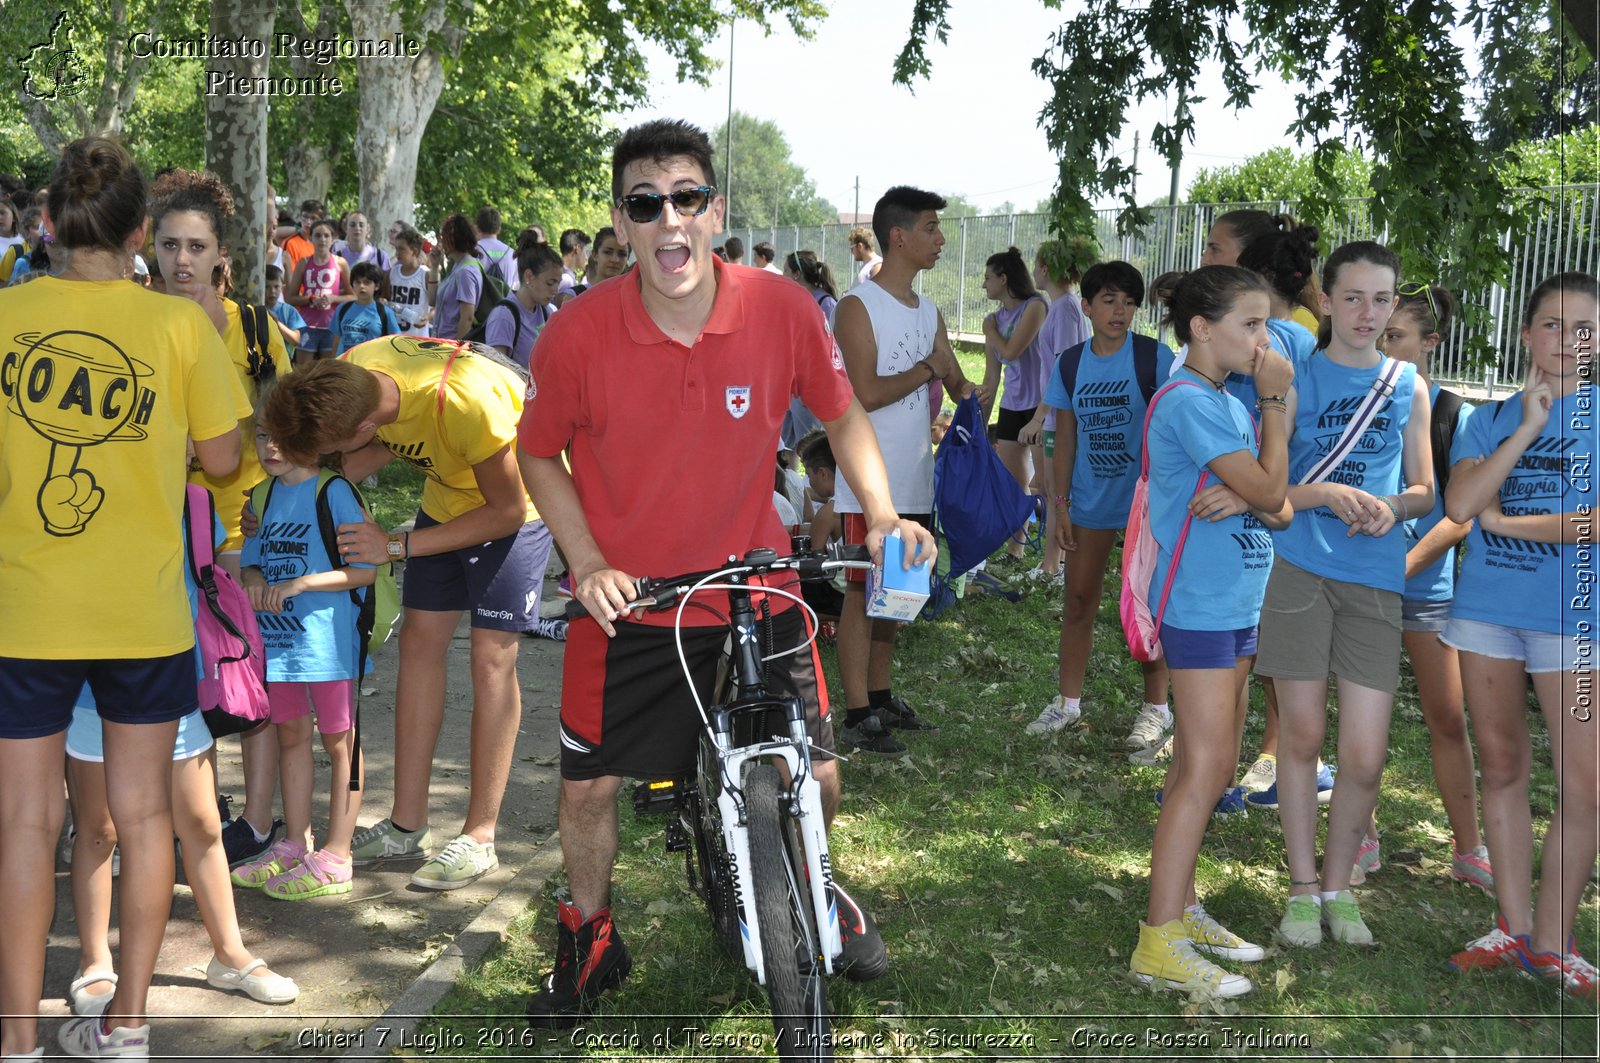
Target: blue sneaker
1268,798
1232,802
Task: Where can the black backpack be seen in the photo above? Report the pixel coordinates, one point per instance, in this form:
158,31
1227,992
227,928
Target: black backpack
1443,433
259,367
1144,365
490,295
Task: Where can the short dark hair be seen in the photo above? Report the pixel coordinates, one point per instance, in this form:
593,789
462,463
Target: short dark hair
313,206
273,273
815,450
1113,276
765,250
898,209
409,236
537,258
735,248
573,240
660,140
487,220
366,271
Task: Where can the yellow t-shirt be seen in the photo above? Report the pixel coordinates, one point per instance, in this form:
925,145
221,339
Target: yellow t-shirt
231,491
101,383
456,410
1301,316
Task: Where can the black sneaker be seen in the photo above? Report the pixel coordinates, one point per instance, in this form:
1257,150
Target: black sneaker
239,841
897,714
864,957
870,736
590,959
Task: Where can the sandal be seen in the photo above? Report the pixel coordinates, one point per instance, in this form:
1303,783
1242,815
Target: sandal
318,874
266,988
91,1004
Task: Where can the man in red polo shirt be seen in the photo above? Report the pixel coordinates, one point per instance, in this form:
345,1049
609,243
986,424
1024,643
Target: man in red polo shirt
669,384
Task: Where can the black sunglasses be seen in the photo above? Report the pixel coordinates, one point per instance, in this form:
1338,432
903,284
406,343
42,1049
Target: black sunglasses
642,207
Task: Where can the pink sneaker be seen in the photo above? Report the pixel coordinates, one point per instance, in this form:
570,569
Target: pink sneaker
1472,867
283,855
1368,860
318,874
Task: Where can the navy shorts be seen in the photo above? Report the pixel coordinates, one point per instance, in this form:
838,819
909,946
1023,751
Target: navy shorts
498,581
36,696
1184,648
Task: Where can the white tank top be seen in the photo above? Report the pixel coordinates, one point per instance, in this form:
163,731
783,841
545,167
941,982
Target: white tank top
408,297
905,337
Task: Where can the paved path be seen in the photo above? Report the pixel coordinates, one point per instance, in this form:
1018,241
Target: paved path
353,956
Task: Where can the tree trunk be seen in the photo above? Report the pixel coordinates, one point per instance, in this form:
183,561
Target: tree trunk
236,144
309,168
397,100
1584,17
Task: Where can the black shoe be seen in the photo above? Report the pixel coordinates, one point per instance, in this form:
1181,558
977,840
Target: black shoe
590,959
897,714
239,841
864,957
870,736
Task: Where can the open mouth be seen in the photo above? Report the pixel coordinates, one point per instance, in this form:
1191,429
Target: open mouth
673,257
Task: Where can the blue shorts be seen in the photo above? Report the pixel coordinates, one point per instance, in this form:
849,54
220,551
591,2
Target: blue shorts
499,581
316,340
86,738
1418,615
1184,648
36,697
1540,651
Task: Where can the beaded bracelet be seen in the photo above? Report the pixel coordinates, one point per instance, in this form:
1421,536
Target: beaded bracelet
1389,501
1272,404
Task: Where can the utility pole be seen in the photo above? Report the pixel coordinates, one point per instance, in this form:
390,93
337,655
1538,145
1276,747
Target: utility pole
727,162
1136,158
857,212
1177,163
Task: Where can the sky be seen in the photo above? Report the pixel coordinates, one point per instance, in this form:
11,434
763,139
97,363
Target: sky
971,128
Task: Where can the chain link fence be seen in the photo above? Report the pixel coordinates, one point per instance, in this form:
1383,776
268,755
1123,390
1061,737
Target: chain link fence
1558,229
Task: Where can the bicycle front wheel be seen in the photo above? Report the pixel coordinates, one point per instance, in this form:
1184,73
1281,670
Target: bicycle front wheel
790,943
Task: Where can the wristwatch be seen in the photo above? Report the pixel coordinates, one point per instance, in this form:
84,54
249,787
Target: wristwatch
398,546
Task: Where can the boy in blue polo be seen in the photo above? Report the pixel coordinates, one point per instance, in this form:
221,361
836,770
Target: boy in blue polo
1100,391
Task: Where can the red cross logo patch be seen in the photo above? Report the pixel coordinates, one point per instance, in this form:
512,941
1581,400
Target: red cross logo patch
738,401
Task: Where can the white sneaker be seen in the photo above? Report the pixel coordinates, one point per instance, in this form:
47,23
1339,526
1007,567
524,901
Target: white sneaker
1056,715
1155,755
82,1038
1148,727
1262,774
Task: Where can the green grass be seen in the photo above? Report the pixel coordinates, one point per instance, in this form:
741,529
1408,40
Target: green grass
1008,874
394,500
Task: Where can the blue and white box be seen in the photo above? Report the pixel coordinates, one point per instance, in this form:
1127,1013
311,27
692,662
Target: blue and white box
895,592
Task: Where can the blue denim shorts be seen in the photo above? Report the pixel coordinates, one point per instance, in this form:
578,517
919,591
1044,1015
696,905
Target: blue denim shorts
1184,648
1540,651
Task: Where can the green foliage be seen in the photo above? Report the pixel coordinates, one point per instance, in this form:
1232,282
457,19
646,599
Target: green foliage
1392,81
1538,81
1571,159
765,186
1279,174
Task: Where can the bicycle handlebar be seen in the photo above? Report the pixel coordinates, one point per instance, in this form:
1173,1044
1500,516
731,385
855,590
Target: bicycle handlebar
663,592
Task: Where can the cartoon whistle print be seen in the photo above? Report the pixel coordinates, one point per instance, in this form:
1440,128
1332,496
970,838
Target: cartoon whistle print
77,390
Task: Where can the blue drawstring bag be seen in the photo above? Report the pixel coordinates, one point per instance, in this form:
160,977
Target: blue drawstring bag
977,504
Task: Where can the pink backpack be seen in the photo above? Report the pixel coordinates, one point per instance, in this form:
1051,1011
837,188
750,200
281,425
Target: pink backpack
233,686
1140,553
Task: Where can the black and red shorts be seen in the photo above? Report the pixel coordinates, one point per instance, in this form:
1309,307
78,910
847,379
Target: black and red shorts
855,534
625,706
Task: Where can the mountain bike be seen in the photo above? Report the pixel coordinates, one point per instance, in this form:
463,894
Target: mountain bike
749,821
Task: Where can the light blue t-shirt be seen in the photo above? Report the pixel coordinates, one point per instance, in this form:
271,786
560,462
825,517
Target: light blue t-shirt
288,315
1110,410
357,324
314,639
1437,582
1317,540
84,737
1514,583
1222,575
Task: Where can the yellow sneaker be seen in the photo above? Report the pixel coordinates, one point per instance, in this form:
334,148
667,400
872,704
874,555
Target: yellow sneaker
1212,938
1166,959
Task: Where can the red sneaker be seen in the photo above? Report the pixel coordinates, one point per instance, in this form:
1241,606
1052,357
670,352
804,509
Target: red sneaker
1494,950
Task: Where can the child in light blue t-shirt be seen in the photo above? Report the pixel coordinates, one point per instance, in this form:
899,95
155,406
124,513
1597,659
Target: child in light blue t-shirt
1099,433
290,323
1198,430
198,826
363,318
1526,609
302,598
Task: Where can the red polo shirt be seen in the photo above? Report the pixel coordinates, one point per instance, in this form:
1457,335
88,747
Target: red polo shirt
672,447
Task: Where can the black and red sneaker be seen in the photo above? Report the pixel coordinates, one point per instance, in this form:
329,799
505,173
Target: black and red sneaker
590,959
863,957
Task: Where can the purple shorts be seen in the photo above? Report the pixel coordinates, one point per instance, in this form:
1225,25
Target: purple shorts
1184,648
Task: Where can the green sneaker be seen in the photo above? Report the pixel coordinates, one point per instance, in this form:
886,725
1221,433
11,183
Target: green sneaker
1302,922
1344,920
382,841
461,863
